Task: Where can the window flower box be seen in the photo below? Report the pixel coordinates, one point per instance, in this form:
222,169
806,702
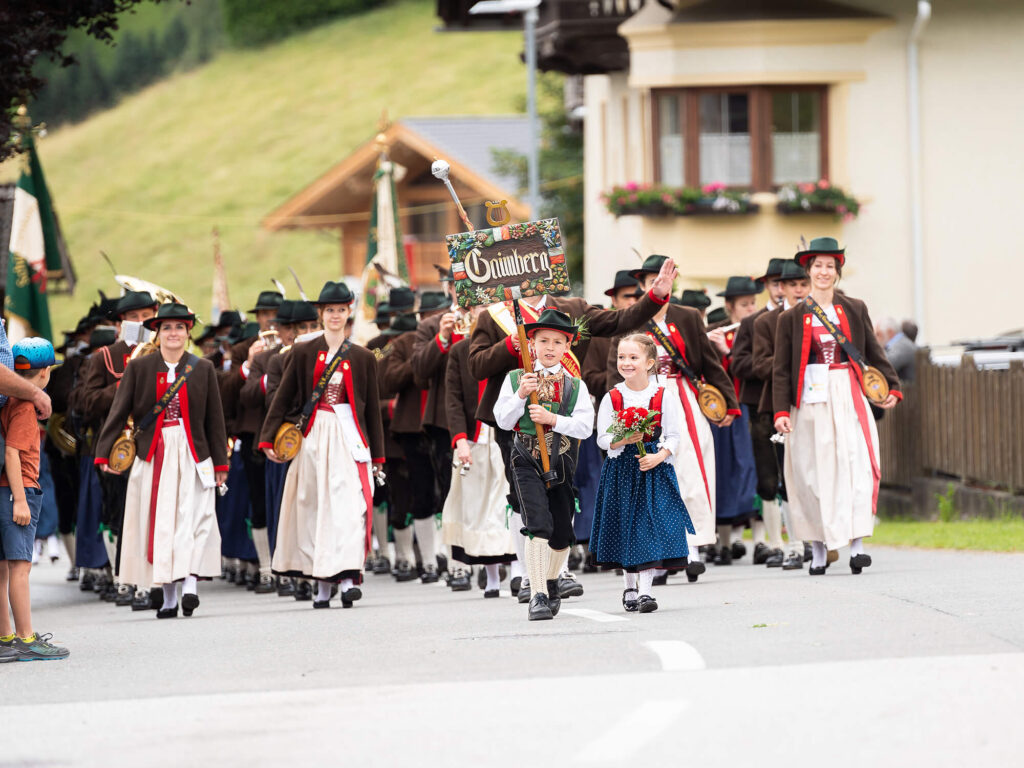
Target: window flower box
818,198
634,199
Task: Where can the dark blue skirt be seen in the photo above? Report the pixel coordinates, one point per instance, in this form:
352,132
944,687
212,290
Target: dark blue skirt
48,513
641,521
735,473
274,484
89,549
234,513
587,480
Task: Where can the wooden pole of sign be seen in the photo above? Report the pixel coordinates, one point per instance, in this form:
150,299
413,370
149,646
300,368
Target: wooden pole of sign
524,352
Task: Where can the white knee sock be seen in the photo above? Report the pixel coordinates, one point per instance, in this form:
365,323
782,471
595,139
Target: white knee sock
646,579
403,546
516,569
110,544
772,523
538,560
261,540
170,596
345,584
857,547
493,577
425,536
380,529
557,563
818,554
323,591
191,586
757,531
630,581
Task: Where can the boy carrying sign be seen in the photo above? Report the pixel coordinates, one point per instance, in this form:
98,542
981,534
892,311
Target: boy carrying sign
546,500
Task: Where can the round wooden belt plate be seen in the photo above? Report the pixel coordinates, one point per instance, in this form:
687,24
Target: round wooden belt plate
122,455
712,403
876,388
287,441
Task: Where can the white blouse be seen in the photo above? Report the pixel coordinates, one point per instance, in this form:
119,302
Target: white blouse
672,418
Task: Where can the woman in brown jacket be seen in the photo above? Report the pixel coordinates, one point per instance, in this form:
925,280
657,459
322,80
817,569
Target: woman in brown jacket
327,503
170,529
831,464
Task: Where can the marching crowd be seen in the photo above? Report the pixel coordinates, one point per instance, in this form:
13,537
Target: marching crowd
280,455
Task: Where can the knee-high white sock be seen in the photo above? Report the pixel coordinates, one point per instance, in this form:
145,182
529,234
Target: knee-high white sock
630,580
724,535
403,546
857,547
646,581
380,529
69,546
190,586
345,584
516,570
773,523
493,577
425,536
110,544
556,563
757,531
538,561
170,596
818,554
323,591
261,540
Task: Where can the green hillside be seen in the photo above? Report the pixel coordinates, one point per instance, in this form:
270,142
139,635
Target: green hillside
223,145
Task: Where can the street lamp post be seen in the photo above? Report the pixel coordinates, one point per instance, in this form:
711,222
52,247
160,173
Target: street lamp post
530,15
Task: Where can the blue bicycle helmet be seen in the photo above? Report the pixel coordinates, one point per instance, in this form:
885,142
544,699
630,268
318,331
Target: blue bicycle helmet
32,354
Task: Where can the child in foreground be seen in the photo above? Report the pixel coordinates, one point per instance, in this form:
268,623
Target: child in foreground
20,502
641,521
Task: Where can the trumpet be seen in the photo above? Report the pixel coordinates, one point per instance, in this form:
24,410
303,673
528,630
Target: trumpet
271,339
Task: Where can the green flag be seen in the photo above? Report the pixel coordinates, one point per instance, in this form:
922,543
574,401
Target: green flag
33,249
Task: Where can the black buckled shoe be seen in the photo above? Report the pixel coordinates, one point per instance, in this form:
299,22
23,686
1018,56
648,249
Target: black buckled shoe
859,562
523,596
661,580
515,584
156,598
539,608
761,553
694,569
285,587
350,595
794,563
569,587
189,603
430,575
629,603
492,593
405,572
265,586
460,583
303,591
167,613
724,556
739,549
141,602
321,604
775,558
646,604
125,596
381,565
817,571
554,599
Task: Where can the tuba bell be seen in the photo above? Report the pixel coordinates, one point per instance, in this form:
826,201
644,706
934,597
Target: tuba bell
60,436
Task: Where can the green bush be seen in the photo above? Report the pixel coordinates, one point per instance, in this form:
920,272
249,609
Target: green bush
255,22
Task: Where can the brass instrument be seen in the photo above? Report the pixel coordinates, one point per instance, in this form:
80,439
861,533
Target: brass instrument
270,338
65,441
463,322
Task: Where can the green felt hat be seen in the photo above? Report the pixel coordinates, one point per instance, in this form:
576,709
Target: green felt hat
821,246
792,271
552,320
741,286
268,300
335,293
774,270
695,299
431,301
133,300
651,266
401,299
623,279
171,311
717,315
401,324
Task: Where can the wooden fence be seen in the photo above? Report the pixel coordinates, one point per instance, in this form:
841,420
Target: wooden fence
959,422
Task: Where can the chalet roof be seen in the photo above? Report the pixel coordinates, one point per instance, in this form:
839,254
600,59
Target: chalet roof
761,10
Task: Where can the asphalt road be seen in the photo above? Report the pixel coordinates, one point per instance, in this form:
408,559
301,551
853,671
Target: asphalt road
916,662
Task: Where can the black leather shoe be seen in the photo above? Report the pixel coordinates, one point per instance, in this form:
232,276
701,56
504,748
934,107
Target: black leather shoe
72,574
303,591
646,604
694,568
708,553
321,603
859,562
156,598
430,575
405,572
189,603
819,571
125,596
515,584
492,593
167,613
523,596
724,556
109,593
629,603
539,608
460,583
442,563
775,559
481,578
575,559
381,565
761,553
739,549
141,602
569,587
285,587
554,599
350,595
265,585
794,563
660,581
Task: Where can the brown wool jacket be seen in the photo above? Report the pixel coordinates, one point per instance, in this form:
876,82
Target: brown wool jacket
793,349
397,375
492,354
595,367
429,365
462,394
252,397
764,356
98,381
302,366
144,381
686,328
742,366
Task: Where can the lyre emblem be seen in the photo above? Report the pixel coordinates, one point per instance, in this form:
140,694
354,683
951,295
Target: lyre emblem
497,213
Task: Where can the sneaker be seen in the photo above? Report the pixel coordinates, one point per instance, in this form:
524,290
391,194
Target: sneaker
72,574
38,649
7,653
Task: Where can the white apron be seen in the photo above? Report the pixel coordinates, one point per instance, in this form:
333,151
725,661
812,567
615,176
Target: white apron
698,496
831,475
186,540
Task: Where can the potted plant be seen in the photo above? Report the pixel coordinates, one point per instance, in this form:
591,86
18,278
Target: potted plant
633,199
822,197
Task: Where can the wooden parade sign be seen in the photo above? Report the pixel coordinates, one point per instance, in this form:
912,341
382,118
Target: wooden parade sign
487,264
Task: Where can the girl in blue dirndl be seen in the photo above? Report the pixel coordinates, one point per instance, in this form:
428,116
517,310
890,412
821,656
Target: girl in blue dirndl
641,522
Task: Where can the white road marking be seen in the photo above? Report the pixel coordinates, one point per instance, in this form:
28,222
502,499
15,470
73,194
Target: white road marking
676,656
643,724
587,613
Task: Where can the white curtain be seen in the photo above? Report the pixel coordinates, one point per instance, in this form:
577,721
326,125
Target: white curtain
725,157
796,157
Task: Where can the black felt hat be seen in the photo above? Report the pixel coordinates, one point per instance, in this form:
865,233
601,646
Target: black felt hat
651,266
242,332
741,286
401,300
401,324
228,318
209,332
133,300
268,300
171,311
793,271
623,279
335,293
304,312
717,315
431,301
102,337
821,246
695,299
774,270
552,320
384,313
285,310
106,309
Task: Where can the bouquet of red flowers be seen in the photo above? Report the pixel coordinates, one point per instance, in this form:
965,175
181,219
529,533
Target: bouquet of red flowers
633,421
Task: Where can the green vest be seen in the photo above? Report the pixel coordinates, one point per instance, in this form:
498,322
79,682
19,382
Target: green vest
570,391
